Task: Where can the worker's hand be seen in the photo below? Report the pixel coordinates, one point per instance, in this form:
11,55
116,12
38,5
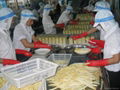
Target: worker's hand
24,52
96,50
9,62
73,22
79,36
103,62
38,45
62,25
98,43
39,41
92,23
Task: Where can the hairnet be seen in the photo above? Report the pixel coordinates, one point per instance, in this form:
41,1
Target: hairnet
26,15
6,15
47,9
102,5
105,18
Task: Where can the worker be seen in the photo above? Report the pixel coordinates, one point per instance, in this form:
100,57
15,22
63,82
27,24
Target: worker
7,52
100,5
111,52
40,11
62,5
66,16
24,34
49,26
90,6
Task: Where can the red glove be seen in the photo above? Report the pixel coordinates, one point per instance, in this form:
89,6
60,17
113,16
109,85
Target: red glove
9,62
79,36
62,25
24,52
103,62
73,22
39,42
96,50
39,45
92,22
99,43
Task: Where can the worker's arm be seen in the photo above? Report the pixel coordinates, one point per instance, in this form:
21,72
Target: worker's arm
92,30
0,60
115,59
34,38
8,61
34,44
27,44
75,37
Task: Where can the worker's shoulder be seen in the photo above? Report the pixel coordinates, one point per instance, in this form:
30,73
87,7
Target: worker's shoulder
18,26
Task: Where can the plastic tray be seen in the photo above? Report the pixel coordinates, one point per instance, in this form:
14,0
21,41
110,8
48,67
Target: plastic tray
60,59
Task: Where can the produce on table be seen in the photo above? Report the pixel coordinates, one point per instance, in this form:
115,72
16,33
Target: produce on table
76,77
34,86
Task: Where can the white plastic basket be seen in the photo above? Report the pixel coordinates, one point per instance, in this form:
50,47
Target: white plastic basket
29,72
60,59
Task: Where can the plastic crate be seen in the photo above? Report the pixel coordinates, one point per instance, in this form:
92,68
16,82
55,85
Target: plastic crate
29,72
60,59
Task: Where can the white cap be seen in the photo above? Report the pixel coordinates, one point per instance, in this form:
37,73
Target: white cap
6,13
48,7
28,14
101,5
103,16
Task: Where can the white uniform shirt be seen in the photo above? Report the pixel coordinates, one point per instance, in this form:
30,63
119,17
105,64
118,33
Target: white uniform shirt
112,47
22,32
6,47
64,18
48,25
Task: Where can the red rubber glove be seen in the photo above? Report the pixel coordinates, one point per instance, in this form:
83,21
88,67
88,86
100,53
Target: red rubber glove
39,42
62,25
92,22
24,52
79,36
99,43
9,62
103,62
39,45
73,22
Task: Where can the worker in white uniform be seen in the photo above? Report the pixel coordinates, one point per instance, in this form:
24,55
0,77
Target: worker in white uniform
90,6
111,52
49,26
7,51
24,34
66,16
40,11
61,3
100,5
